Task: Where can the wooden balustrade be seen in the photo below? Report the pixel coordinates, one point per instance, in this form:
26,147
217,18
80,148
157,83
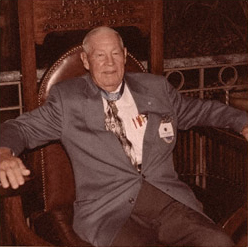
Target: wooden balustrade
214,163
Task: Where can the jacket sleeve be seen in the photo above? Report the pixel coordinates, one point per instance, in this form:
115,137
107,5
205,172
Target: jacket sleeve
196,112
34,128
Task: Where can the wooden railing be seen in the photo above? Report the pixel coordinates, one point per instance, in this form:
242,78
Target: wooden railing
214,163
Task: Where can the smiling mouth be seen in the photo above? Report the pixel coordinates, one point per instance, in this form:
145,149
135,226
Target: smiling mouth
109,72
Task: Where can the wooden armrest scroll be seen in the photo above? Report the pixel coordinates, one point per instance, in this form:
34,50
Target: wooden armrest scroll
16,223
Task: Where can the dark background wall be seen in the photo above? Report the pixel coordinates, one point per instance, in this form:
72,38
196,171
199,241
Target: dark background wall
191,28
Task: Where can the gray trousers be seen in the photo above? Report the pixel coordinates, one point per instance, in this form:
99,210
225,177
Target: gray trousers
159,220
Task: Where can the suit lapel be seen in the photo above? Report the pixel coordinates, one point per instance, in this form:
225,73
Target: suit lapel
93,106
147,105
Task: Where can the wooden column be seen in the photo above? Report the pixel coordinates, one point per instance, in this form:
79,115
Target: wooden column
157,38
27,45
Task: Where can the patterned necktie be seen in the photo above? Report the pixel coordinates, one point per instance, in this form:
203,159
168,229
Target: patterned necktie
114,123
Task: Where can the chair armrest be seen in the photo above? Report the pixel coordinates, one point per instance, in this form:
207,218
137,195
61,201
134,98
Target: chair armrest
232,223
16,224
13,217
236,226
56,227
223,135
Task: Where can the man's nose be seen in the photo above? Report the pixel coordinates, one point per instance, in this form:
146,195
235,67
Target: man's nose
109,59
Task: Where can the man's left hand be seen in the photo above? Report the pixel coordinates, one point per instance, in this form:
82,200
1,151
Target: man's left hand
244,132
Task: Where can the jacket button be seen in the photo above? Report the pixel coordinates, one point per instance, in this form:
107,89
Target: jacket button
131,200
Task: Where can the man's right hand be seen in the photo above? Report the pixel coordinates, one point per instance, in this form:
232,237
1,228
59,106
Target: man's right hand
12,170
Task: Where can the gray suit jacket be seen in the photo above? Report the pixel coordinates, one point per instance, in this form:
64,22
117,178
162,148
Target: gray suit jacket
106,182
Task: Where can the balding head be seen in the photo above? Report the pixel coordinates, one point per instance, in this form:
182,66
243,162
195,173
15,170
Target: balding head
98,31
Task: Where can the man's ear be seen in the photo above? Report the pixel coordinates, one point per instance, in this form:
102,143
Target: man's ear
85,61
125,54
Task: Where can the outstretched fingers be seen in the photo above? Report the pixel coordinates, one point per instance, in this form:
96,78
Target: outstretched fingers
12,173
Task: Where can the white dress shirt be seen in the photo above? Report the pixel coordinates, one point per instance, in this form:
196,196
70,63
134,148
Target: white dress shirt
134,124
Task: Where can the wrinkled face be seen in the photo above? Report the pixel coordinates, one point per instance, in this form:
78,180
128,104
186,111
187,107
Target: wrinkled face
105,58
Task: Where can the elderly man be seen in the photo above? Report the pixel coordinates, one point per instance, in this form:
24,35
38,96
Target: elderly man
119,130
